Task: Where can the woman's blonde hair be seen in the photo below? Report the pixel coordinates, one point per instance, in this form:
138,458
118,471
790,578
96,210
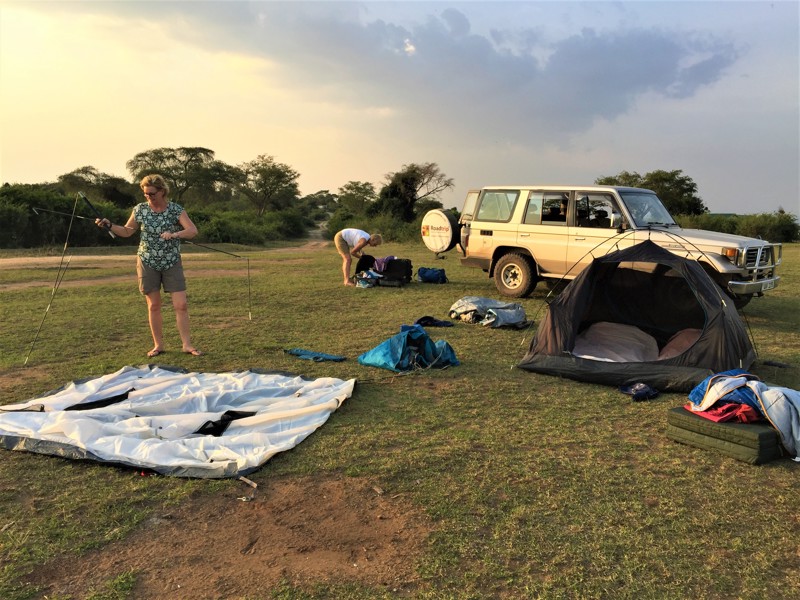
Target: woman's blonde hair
377,238
156,181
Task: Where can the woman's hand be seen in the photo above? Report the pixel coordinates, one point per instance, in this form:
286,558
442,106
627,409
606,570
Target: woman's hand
103,223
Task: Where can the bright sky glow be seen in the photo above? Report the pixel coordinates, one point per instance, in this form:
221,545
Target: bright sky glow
494,92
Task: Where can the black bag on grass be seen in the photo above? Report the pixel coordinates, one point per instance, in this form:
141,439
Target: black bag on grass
397,272
365,263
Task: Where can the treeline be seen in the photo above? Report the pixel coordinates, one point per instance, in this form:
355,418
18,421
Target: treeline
251,203
678,193
777,227
258,201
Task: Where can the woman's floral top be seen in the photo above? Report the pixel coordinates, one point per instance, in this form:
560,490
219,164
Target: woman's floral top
156,253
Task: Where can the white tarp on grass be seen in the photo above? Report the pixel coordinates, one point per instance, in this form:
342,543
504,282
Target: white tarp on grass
182,424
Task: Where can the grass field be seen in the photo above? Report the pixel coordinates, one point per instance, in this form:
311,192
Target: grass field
535,487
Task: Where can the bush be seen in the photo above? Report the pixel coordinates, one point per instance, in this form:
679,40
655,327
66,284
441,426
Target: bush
775,227
390,228
24,228
249,229
15,224
778,227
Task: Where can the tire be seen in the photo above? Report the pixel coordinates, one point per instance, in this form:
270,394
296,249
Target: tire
739,301
514,275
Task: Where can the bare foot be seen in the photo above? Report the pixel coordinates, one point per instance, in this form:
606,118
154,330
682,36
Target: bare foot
350,284
155,352
192,351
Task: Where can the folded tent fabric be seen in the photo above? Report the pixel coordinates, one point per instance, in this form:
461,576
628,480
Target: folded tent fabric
207,425
409,349
485,311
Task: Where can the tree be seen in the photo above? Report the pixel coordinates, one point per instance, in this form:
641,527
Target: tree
403,189
95,183
183,167
269,185
677,191
356,197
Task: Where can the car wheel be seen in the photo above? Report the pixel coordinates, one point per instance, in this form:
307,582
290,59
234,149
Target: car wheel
514,276
739,301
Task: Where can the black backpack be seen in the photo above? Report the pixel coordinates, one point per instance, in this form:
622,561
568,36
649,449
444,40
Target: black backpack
397,272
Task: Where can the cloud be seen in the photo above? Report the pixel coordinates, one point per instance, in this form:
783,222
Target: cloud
507,83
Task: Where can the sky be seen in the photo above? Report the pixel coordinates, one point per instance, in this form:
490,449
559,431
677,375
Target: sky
494,93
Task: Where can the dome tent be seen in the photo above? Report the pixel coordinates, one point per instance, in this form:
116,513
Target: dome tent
648,289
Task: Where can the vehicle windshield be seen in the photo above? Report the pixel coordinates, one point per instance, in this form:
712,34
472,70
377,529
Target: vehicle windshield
646,209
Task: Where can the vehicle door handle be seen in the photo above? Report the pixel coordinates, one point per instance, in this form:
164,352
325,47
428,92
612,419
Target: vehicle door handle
524,235
579,239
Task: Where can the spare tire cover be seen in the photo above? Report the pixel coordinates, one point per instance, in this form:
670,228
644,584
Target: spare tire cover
440,230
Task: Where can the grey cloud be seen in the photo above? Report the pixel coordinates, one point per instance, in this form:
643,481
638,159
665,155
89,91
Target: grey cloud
508,82
703,73
457,23
497,81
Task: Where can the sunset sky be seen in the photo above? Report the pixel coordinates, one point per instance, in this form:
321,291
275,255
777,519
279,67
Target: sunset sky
493,92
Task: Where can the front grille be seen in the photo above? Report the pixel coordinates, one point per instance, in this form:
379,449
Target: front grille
759,257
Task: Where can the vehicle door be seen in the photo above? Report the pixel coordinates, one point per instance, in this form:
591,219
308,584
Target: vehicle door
543,230
467,213
593,230
492,226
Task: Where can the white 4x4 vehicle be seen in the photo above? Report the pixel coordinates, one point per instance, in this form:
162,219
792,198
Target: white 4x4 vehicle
520,235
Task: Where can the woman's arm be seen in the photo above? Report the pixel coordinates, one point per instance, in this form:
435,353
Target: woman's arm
357,249
125,231
188,232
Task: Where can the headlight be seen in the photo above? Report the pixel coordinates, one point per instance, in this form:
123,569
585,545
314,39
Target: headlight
732,254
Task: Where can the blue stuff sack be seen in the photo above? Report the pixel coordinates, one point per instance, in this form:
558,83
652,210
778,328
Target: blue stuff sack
427,275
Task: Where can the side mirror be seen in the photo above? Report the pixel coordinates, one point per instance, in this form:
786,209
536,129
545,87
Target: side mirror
616,221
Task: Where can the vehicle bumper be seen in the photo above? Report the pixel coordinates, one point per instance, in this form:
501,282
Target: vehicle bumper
746,288
481,263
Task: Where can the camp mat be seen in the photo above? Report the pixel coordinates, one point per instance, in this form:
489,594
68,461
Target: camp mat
752,443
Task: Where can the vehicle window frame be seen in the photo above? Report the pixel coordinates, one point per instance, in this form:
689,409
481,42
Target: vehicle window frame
550,201
535,198
595,203
490,200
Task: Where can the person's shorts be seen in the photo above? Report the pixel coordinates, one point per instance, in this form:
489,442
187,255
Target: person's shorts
151,280
341,245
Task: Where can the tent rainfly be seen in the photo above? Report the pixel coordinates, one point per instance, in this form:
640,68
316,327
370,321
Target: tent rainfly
641,314
207,425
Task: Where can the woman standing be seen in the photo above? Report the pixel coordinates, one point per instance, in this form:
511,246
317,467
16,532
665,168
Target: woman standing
351,242
158,263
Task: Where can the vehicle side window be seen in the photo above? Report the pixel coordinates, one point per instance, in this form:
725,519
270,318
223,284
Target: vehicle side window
533,213
469,206
497,205
595,210
554,208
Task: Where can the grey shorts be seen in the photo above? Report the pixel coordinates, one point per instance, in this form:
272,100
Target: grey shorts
151,280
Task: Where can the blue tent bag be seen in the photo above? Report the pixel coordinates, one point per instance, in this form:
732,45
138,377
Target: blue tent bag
429,275
412,348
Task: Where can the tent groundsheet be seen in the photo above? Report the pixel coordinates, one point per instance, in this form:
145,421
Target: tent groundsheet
208,425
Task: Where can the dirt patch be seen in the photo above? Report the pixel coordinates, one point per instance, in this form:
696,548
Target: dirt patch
304,530
119,279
